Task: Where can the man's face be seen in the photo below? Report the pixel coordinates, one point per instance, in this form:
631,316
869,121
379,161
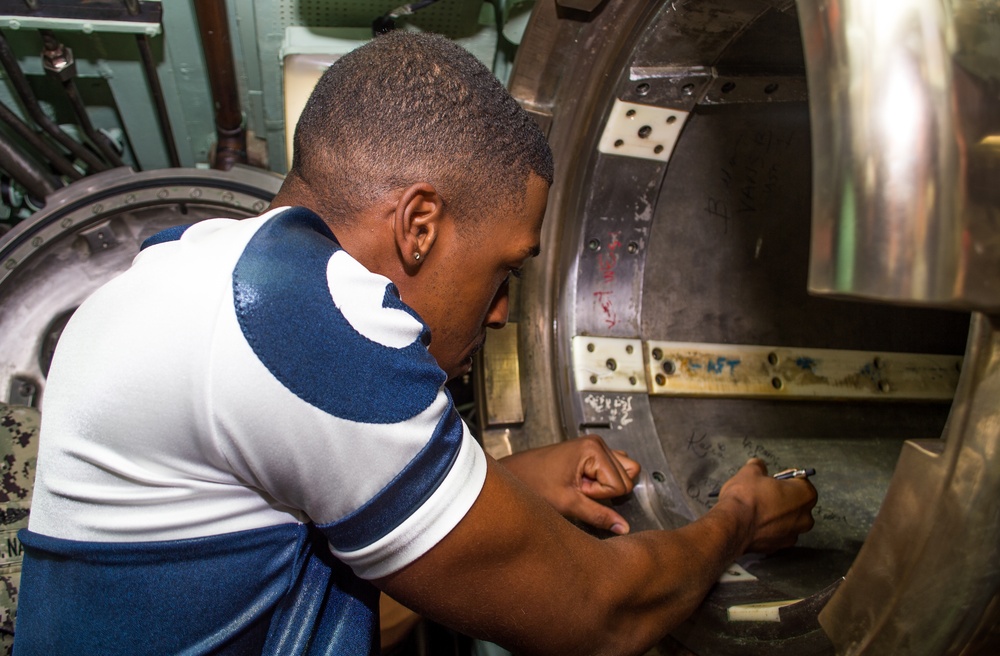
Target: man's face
469,270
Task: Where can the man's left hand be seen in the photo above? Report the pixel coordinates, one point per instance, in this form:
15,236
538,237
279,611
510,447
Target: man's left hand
571,475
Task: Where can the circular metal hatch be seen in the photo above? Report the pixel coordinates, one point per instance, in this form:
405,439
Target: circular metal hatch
691,257
88,233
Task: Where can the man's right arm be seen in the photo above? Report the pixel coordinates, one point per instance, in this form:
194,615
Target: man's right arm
513,571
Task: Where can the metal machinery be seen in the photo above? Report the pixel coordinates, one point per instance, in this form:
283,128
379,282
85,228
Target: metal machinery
671,309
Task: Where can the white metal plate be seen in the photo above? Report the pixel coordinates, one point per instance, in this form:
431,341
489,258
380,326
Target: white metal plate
608,364
644,131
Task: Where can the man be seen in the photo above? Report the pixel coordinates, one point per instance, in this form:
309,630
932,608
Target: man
248,429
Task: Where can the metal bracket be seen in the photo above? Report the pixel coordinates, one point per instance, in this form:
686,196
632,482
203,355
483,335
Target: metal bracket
694,369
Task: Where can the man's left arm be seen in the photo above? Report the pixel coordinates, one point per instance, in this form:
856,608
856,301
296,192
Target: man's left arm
575,475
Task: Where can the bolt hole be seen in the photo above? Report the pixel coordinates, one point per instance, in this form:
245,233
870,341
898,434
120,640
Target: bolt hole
728,86
657,354
776,383
631,380
661,379
658,149
611,364
593,380
772,358
590,347
642,89
630,113
669,367
659,477
771,88
619,143
671,119
629,349
645,131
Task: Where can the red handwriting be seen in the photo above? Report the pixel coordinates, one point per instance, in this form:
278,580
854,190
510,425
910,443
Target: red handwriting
603,300
608,259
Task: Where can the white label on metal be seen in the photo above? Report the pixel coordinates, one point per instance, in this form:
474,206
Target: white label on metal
608,364
765,611
736,574
696,369
643,131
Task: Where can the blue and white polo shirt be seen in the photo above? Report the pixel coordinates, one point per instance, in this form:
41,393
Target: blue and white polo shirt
238,431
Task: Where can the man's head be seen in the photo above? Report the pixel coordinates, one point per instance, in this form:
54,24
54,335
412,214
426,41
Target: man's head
430,174
415,107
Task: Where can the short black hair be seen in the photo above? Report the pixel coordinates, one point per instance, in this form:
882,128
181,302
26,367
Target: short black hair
411,107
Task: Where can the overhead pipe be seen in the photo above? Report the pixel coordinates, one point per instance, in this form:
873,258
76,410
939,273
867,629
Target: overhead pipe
42,147
155,89
231,144
38,182
27,96
58,61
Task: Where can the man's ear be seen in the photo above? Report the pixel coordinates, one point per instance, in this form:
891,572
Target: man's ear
419,211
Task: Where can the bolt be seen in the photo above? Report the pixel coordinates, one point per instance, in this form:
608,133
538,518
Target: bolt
629,349
642,89
657,353
776,383
590,347
661,379
659,477
669,367
612,365
594,244
631,380
630,113
688,89
196,193
632,247
772,358
645,131
593,380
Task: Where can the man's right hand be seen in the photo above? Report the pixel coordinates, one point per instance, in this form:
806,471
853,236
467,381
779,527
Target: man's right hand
782,510
514,572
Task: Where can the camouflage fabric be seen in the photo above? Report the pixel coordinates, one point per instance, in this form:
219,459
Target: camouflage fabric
18,454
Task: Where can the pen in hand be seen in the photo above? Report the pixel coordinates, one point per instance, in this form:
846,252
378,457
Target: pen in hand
781,476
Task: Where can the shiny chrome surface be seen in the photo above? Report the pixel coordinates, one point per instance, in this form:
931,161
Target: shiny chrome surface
905,109
924,581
